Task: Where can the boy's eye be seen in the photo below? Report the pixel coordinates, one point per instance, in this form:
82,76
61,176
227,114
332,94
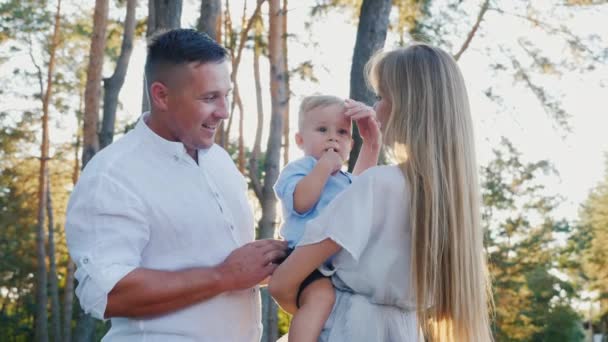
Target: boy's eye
322,129
343,131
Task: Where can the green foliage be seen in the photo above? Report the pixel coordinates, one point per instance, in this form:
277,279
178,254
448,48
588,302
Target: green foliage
17,239
284,322
325,6
518,216
561,325
20,18
589,246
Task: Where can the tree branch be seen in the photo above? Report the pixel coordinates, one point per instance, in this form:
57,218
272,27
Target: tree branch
467,42
239,51
572,38
38,70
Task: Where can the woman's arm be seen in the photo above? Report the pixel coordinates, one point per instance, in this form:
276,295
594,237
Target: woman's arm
369,130
368,157
287,278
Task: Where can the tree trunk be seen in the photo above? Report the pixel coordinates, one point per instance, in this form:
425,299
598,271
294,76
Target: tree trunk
223,138
166,14
255,153
278,94
241,143
68,300
113,85
210,20
92,90
68,291
246,27
162,14
220,136
41,330
287,89
371,35
54,287
90,140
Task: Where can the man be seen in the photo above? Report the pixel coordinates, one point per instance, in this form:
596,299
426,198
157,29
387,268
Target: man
159,224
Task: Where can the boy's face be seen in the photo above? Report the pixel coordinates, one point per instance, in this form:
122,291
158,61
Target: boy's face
323,128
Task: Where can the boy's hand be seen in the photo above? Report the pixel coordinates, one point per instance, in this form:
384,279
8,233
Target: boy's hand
331,161
365,116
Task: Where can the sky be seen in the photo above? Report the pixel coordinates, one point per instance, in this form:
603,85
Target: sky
578,156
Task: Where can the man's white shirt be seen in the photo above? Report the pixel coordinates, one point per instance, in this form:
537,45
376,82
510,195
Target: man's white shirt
144,202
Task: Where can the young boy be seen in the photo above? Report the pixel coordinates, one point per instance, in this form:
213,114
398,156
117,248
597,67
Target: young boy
307,185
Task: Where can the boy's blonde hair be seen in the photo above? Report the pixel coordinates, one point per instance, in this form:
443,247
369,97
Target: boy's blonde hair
430,132
315,101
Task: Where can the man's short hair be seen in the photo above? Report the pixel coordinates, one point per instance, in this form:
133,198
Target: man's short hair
168,49
315,101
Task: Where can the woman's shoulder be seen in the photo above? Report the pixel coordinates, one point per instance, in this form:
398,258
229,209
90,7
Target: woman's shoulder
389,175
383,181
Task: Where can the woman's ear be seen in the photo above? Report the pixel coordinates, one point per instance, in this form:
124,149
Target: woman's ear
159,96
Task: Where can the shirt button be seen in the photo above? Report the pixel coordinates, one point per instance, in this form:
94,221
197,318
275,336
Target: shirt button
85,260
232,227
175,157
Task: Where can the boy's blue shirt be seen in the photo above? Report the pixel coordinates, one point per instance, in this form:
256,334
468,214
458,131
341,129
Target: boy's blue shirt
294,223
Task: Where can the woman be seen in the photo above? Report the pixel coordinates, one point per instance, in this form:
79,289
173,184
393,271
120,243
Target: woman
407,240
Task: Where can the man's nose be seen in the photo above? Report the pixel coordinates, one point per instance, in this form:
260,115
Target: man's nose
222,111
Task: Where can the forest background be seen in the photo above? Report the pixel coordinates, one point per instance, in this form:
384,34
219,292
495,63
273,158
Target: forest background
71,82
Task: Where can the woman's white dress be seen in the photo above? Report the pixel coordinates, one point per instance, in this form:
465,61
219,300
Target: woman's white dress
371,273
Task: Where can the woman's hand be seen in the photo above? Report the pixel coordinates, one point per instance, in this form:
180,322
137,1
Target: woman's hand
369,130
365,117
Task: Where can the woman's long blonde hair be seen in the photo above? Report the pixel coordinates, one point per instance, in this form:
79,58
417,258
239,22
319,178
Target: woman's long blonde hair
430,133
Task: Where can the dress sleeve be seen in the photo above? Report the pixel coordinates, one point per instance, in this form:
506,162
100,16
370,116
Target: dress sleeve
347,220
285,186
106,231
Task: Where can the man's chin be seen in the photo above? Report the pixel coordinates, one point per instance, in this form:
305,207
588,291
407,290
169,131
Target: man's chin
200,144
204,146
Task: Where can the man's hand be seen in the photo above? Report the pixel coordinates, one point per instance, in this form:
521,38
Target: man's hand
365,116
331,160
248,265
146,293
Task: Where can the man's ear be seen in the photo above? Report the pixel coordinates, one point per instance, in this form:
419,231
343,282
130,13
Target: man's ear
159,94
299,139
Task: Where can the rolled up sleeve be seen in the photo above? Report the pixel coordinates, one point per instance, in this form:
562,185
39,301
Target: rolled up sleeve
106,232
285,186
348,220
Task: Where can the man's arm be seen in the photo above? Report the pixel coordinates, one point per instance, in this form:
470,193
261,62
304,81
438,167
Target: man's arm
144,292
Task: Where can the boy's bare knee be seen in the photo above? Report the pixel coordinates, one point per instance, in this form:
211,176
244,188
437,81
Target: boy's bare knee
319,293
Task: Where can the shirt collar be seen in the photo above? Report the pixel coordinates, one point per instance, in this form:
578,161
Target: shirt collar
174,149
348,175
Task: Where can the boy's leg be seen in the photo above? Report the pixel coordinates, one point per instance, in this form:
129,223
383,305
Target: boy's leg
316,302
